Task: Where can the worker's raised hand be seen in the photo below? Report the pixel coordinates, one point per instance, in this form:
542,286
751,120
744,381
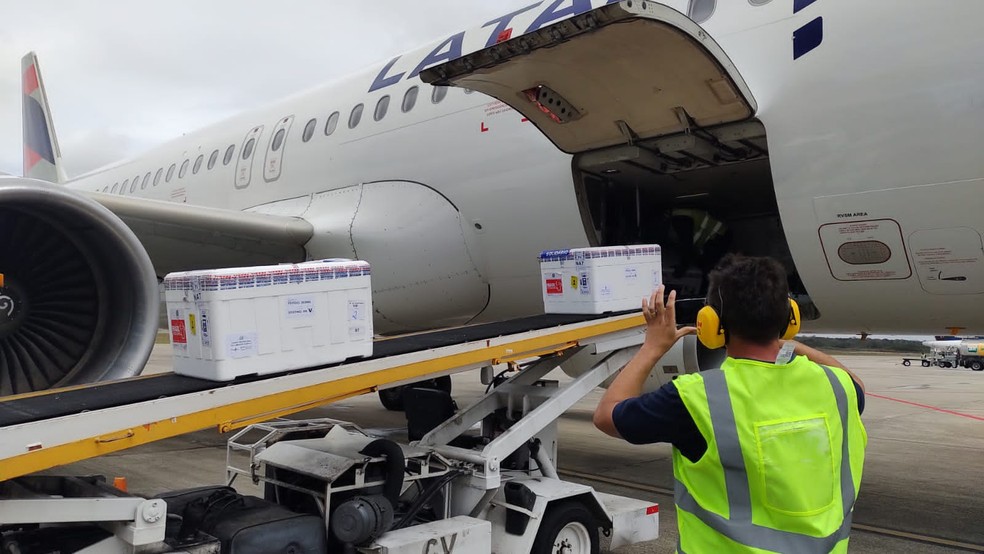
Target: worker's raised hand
661,327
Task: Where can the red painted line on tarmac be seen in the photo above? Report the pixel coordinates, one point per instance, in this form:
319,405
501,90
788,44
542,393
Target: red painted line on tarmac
934,408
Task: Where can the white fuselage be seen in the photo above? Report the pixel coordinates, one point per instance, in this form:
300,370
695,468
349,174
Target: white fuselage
874,139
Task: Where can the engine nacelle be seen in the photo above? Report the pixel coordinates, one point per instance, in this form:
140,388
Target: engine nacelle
686,356
79,302
427,270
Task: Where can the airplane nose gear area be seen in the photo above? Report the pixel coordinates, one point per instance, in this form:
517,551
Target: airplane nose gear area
78,303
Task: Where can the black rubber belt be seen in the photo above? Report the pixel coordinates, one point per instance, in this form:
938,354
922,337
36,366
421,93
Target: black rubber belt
119,393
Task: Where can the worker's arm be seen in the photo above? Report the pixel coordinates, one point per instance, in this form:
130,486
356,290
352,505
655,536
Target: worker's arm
661,335
822,358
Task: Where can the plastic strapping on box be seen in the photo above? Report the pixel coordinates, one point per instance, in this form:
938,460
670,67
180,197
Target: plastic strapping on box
595,253
264,277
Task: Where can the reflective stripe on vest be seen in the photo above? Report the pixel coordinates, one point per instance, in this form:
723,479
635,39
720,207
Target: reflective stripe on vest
739,527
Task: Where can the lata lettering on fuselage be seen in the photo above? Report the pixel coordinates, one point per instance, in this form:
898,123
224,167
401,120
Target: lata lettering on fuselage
452,47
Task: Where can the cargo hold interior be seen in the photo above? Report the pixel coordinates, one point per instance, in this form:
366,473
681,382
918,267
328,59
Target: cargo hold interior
640,193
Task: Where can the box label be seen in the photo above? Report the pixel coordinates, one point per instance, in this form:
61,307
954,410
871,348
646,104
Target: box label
191,324
206,338
300,307
631,274
241,345
585,283
357,310
178,334
555,287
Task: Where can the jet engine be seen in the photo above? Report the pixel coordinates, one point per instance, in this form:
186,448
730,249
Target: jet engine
78,300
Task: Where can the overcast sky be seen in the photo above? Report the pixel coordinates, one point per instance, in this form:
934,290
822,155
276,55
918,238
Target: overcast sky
123,76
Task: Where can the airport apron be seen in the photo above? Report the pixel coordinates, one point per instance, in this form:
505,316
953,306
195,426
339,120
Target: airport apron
785,450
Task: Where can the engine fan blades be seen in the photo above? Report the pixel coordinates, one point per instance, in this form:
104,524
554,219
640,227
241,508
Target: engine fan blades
48,304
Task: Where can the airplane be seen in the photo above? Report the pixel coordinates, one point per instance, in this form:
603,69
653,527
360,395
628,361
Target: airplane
840,137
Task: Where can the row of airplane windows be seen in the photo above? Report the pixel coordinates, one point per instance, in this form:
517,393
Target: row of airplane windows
355,117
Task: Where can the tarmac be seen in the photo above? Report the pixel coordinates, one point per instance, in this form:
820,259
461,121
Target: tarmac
922,489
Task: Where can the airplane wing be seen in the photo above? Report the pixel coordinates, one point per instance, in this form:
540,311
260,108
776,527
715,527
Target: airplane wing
181,237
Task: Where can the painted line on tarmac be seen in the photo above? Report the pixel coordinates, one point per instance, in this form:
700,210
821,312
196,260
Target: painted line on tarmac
939,541
918,538
927,406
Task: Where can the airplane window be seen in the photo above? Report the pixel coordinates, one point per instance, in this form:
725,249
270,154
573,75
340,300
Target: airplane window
212,158
157,176
381,107
309,130
116,185
356,116
106,188
133,185
198,164
248,149
701,10
410,99
331,124
184,169
228,154
278,139
438,94
170,173
123,187
146,179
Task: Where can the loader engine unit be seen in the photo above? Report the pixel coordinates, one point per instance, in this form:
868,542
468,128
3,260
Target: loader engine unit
79,301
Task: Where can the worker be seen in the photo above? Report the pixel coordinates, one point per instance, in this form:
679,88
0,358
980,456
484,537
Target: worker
700,239
768,450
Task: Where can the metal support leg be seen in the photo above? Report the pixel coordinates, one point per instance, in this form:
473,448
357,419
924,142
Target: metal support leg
467,418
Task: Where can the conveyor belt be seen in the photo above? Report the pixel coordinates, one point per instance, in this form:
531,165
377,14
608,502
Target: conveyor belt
57,403
58,427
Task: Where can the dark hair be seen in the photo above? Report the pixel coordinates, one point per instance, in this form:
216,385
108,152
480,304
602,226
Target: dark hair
752,297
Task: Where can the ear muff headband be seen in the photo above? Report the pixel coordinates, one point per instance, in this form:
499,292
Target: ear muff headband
710,331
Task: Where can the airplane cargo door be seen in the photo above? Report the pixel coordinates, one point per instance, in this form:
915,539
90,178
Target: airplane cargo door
662,129
244,165
275,150
609,77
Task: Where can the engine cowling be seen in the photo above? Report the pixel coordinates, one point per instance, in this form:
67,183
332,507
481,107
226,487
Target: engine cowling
79,301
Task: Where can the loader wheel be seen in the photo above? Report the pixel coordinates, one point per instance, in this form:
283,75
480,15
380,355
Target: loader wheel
925,363
906,363
567,528
977,366
392,398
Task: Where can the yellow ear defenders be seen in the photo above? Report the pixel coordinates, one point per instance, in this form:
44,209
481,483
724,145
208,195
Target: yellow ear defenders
710,331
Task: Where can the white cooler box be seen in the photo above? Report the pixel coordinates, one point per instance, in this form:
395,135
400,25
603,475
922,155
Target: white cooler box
599,280
257,320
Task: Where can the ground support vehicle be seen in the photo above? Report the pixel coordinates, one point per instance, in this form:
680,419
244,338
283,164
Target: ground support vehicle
451,490
922,360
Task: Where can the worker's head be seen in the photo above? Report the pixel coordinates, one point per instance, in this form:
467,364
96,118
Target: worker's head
751,295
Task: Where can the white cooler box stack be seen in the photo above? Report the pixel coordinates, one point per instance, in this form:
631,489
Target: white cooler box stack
599,280
258,320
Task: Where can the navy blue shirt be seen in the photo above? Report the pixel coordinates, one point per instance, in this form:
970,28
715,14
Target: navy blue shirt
661,416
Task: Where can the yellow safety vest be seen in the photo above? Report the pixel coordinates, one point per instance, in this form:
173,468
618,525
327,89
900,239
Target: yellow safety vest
785,450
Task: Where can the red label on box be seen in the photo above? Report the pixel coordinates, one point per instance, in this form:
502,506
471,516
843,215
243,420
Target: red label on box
178,335
555,286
